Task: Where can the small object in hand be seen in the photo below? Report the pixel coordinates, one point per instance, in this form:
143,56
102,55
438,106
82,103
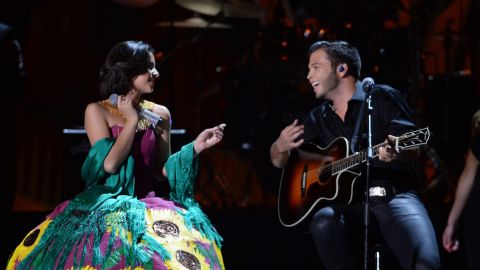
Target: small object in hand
113,99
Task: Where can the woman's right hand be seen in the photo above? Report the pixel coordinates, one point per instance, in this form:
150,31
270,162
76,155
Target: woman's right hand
450,240
125,106
208,138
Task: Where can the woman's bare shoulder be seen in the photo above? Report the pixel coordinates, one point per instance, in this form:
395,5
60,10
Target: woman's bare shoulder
95,112
95,107
162,111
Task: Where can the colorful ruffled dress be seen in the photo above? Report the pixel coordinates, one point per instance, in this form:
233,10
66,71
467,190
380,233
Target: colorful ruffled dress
107,227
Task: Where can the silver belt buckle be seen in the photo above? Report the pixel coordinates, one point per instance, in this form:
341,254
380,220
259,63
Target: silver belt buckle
377,192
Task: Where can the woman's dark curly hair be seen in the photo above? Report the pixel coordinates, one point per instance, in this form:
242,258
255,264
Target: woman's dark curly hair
124,62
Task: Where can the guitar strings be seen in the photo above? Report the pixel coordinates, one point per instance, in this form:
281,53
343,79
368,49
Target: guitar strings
342,164
332,165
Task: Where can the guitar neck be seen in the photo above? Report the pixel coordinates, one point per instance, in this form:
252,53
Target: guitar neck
406,141
355,159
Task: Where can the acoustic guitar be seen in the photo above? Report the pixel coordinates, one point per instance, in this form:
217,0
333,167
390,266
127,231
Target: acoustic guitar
325,176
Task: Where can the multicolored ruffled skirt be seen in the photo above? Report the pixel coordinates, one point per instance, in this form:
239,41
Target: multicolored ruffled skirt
110,238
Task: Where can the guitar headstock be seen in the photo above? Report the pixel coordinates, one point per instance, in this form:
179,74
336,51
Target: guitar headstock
413,138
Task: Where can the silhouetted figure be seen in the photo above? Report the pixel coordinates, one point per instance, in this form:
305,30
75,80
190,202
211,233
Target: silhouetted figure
467,201
12,80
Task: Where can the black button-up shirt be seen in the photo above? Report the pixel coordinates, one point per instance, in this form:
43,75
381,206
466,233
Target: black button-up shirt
390,116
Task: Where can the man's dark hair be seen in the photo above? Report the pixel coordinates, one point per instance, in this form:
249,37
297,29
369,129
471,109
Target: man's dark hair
125,61
340,52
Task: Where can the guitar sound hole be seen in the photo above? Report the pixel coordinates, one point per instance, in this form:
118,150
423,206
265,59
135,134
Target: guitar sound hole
324,175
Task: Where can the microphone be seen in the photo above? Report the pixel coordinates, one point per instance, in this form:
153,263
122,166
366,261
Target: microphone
150,116
367,84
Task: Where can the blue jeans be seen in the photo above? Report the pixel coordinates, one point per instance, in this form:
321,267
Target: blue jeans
402,221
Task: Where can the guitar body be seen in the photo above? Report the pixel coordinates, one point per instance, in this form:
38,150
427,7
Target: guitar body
309,183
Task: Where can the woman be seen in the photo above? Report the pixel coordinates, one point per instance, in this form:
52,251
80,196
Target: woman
467,197
106,226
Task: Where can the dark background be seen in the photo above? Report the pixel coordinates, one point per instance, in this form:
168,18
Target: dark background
251,76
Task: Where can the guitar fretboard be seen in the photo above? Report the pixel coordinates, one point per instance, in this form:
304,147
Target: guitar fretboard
353,160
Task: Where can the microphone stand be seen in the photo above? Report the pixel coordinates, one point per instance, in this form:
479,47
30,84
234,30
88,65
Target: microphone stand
368,99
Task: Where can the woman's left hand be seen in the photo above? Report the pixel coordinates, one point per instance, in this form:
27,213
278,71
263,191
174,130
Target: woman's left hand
449,238
208,138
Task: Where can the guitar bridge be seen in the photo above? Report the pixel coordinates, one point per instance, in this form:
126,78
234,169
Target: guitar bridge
303,182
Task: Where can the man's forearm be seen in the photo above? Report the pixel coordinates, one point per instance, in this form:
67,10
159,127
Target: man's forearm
279,159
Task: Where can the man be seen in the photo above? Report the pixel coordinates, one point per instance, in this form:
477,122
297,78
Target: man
334,72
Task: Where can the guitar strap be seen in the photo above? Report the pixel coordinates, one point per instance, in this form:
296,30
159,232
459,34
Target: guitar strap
354,141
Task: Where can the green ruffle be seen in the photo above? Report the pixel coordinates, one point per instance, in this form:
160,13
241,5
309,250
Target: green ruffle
182,168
